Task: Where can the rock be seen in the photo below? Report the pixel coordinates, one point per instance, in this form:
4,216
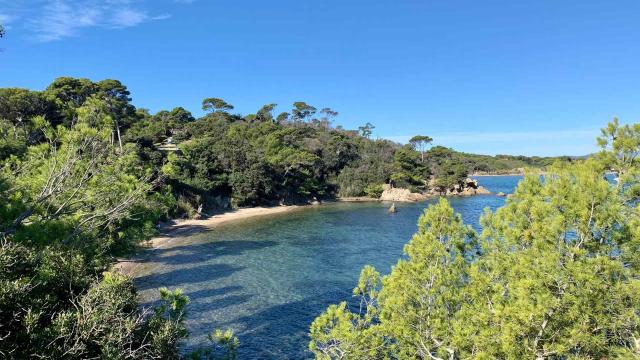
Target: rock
471,183
393,209
400,194
469,191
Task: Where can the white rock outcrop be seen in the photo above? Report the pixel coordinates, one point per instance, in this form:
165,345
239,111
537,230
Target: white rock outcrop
400,194
469,187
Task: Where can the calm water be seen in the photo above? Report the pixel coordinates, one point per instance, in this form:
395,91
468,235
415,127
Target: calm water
268,278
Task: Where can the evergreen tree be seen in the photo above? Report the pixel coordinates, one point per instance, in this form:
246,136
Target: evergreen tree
554,275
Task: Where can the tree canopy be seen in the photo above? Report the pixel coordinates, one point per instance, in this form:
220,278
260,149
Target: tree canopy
420,142
215,104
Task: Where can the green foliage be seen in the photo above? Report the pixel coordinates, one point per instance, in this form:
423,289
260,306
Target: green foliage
373,165
265,113
409,171
71,199
366,130
225,347
448,167
151,130
215,104
420,142
620,149
553,275
86,176
77,181
301,111
374,190
107,323
51,305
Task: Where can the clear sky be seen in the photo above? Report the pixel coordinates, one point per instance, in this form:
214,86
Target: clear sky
517,77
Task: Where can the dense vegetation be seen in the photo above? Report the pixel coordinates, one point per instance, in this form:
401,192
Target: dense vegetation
73,195
86,175
508,164
555,274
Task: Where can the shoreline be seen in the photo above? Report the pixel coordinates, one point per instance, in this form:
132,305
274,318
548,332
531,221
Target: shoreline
175,229
508,174
354,199
178,228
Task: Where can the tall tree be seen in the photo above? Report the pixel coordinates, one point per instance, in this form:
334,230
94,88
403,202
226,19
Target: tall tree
20,106
327,118
301,111
282,118
265,113
116,97
215,104
366,130
71,91
420,142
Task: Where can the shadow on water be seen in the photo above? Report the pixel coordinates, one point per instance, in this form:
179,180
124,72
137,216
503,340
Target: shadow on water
183,277
269,279
281,331
195,253
203,294
199,273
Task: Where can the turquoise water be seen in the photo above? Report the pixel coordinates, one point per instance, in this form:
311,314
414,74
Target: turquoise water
268,278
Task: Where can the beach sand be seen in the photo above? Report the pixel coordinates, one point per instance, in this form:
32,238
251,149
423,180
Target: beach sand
175,229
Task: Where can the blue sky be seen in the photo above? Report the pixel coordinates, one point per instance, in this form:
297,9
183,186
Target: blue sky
517,77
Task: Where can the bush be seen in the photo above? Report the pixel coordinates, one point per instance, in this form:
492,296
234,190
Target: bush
374,190
185,208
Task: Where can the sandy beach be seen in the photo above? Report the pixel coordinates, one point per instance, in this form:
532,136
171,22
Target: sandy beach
176,229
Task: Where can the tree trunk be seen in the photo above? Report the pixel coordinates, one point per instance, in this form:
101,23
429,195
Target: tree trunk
118,132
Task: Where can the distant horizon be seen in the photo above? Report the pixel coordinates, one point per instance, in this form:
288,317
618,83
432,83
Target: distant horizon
493,78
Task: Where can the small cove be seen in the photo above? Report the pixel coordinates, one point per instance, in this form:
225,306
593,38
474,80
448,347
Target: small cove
267,278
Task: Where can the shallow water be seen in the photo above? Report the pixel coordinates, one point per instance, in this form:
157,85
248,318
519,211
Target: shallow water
268,278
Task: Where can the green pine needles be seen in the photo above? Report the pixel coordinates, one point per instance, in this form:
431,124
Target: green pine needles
553,275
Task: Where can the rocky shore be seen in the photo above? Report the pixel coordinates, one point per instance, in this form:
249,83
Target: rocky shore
468,188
